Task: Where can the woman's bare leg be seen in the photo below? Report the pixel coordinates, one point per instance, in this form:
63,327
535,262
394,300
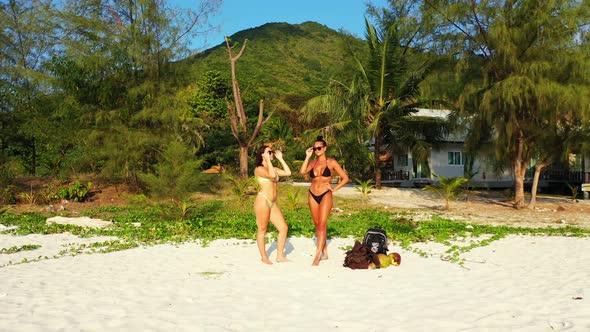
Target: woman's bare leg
321,240
325,209
314,208
262,216
278,220
319,214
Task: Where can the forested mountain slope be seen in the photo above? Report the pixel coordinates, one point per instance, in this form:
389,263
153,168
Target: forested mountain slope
282,58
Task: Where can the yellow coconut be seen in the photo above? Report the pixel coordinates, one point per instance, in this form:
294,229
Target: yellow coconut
384,260
396,259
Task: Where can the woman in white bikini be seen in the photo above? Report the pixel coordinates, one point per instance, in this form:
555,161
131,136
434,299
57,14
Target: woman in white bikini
265,205
320,193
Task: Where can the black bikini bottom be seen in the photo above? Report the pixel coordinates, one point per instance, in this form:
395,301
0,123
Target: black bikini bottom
318,198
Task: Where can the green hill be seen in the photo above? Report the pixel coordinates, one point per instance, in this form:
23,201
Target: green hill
282,58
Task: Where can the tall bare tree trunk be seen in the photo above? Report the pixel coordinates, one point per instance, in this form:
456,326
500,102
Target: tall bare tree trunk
237,115
244,161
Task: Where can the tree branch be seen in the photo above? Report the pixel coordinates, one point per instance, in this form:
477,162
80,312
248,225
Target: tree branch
465,33
241,114
259,123
233,120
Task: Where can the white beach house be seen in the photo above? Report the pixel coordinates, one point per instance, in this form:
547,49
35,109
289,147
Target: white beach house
400,170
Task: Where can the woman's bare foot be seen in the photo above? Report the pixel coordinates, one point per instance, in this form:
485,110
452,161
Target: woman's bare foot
265,260
282,259
316,260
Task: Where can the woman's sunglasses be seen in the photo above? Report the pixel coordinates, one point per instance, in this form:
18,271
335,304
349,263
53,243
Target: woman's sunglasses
318,148
270,153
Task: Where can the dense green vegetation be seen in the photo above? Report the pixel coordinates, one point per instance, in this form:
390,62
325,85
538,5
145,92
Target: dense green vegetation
87,105
226,217
524,78
94,89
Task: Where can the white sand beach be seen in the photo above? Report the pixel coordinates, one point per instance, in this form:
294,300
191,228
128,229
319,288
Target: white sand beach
519,283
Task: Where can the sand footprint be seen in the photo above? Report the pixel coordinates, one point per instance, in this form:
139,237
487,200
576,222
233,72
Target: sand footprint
560,325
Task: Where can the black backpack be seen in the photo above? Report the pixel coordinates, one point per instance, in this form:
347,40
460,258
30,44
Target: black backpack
376,240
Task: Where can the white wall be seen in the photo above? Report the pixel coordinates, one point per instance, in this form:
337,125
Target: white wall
485,172
439,164
439,161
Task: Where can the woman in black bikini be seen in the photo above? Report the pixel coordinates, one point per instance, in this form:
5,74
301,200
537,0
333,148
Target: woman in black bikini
320,192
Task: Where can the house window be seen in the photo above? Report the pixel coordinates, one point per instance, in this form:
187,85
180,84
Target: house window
402,160
455,158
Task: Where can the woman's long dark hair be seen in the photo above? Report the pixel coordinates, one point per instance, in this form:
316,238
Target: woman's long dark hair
321,139
259,153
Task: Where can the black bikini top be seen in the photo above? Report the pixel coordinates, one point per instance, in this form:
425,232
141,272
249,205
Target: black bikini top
325,173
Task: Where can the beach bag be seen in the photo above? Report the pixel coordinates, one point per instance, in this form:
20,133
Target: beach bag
359,257
375,240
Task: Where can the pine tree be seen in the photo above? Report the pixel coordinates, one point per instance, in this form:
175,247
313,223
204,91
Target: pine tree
532,70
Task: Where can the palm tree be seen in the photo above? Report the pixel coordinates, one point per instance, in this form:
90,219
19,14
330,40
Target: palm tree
341,111
448,188
394,96
417,134
277,131
383,96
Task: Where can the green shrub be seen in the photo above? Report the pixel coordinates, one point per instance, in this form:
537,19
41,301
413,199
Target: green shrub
176,175
294,197
77,192
448,188
365,188
574,189
7,195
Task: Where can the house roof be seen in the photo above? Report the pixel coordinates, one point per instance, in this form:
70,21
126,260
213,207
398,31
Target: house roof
457,136
443,114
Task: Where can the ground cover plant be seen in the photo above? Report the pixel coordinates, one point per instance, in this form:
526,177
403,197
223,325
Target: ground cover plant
221,216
